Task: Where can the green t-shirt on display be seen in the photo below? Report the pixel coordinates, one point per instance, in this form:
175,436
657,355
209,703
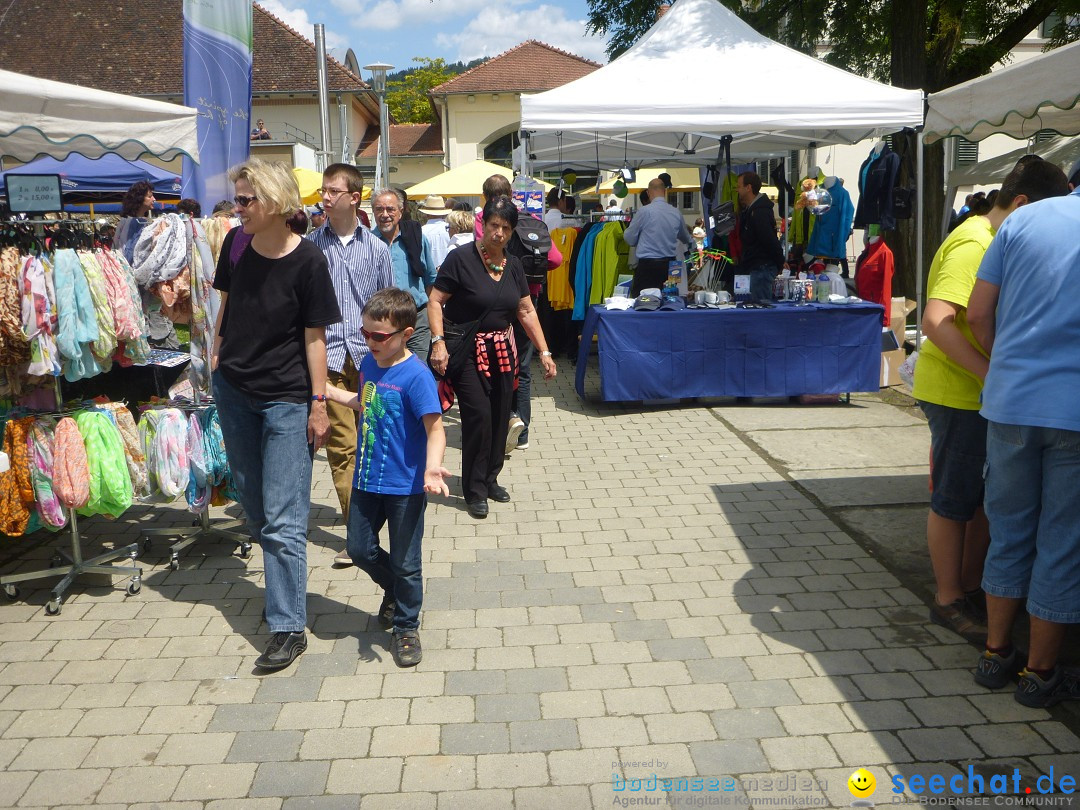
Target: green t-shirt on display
952,277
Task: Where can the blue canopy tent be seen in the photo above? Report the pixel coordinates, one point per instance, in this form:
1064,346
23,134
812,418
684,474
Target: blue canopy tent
101,180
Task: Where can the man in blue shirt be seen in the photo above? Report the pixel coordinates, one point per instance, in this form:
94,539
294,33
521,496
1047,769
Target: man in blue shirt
654,231
359,267
414,266
1023,311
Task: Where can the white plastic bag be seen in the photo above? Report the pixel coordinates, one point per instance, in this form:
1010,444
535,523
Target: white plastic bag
907,370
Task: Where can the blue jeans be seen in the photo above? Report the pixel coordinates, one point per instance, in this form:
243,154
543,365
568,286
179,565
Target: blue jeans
523,396
1031,475
398,572
270,459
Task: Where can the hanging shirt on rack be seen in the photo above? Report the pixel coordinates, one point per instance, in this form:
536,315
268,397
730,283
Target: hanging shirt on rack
877,178
832,228
874,274
560,292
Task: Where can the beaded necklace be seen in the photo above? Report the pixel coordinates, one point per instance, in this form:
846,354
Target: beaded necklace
495,267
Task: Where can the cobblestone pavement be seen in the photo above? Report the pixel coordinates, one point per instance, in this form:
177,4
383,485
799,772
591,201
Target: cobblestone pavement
669,594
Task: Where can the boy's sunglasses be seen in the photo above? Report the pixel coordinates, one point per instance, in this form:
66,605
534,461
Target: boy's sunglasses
379,337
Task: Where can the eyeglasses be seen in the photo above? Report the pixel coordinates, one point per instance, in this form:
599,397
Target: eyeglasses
379,337
332,193
384,209
243,201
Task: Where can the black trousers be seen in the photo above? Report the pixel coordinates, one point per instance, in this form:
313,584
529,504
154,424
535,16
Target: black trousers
649,273
485,418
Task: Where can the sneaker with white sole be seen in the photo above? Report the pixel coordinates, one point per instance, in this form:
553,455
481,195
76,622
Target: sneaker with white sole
514,432
1034,692
343,558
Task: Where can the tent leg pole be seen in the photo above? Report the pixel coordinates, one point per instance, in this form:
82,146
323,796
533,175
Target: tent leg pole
920,185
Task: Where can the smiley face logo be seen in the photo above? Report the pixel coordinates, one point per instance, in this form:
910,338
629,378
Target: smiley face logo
861,783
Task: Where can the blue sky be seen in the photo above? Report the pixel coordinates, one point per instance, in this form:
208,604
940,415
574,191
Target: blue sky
395,31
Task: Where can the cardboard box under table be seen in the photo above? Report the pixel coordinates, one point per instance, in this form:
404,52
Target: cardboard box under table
891,360
787,350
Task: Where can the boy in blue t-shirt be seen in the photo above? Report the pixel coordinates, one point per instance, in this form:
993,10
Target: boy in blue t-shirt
399,456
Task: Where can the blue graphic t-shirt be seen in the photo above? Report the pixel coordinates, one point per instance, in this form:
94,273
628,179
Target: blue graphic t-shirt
391,444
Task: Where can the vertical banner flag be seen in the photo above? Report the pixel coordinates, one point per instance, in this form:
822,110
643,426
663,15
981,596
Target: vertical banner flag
217,82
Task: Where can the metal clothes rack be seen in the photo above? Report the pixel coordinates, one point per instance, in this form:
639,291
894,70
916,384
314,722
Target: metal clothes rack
201,528
71,566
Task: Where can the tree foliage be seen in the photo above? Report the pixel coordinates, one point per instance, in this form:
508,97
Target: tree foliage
407,97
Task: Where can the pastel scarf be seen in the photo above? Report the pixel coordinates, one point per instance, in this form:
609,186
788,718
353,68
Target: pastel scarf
39,445
77,322
110,483
71,477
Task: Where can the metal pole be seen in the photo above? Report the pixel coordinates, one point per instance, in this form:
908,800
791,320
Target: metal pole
324,90
919,183
343,124
384,139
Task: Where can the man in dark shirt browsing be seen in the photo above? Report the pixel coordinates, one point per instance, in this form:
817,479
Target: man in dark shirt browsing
654,231
762,257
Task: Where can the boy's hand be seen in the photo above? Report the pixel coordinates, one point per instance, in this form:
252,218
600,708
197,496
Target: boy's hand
434,483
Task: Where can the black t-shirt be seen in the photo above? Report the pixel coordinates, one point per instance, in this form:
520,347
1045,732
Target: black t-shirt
270,303
464,277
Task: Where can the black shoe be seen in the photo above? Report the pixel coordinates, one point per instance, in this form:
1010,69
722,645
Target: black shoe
478,509
282,650
499,494
995,671
405,647
1036,693
386,610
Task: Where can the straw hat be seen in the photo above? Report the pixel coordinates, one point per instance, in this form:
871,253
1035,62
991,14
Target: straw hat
434,206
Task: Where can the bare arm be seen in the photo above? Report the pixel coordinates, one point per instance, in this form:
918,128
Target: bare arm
982,311
343,397
437,355
939,324
315,349
435,474
531,324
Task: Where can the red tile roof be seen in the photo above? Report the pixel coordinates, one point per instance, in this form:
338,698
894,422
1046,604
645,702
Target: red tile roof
532,66
406,140
136,47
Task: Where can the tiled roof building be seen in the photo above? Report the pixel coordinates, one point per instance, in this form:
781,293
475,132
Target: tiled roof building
530,67
405,140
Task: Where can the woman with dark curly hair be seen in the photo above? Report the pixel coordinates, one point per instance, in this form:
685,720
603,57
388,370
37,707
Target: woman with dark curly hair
139,200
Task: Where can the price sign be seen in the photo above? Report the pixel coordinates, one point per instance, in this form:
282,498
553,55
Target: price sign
33,193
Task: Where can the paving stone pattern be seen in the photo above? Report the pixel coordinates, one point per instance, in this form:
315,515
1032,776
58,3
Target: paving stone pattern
659,598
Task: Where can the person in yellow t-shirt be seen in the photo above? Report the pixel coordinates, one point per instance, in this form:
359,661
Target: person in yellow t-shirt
948,385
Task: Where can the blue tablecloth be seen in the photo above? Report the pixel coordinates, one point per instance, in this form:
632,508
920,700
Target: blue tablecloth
784,351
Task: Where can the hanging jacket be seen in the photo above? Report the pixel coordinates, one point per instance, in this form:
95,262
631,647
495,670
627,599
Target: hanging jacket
874,274
877,178
831,231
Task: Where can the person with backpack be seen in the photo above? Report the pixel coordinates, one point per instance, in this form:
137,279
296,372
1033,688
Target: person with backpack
531,243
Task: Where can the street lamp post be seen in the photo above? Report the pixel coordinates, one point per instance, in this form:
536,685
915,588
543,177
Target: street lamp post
378,84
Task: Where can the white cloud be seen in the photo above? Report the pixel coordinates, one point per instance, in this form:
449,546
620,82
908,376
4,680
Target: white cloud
497,29
389,15
295,15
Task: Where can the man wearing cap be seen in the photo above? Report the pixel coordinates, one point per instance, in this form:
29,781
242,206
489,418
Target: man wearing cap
654,231
316,216
360,266
436,229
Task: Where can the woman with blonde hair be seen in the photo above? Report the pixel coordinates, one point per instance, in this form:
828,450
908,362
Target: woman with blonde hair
269,362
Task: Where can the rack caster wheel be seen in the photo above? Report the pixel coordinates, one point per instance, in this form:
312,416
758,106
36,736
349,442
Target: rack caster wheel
52,607
245,551
56,561
147,546
134,587
174,563
11,592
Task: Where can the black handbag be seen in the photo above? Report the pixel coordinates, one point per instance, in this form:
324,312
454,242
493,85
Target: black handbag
459,339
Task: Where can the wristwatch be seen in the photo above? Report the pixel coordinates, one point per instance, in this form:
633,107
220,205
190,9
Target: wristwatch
545,354
437,338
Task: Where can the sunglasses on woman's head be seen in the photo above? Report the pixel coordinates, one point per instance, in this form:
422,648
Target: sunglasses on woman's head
243,200
379,337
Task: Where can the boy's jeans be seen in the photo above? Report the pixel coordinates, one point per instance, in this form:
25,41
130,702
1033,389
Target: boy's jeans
270,459
399,571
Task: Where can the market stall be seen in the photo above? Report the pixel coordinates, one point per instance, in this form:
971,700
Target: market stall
788,350
466,180
88,180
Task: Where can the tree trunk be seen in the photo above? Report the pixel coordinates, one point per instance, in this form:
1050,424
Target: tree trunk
902,241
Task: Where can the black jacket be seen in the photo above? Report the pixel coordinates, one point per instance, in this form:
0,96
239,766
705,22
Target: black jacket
757,234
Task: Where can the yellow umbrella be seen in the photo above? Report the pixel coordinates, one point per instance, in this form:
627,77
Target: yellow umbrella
685,179
464,181
310,182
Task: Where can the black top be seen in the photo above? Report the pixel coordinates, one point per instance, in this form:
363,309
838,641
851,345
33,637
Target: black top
464,277
270,303
757,230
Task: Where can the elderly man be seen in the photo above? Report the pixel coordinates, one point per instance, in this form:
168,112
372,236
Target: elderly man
359,267
414,267
316,216
654,231
436,229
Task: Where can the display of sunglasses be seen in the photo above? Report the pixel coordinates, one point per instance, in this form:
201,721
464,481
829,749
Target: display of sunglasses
379,337
243,200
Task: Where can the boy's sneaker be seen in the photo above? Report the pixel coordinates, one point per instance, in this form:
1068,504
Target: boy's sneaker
405,647
386,610
523,445
995,671
959,617
1034,692
343,558
516,426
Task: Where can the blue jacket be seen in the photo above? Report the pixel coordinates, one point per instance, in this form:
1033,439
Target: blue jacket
832,228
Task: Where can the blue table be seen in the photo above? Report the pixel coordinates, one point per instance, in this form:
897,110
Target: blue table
784,351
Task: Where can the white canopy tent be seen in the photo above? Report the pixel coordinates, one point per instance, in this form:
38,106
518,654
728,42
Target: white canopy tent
41,117
1060,150
698,75
1037,94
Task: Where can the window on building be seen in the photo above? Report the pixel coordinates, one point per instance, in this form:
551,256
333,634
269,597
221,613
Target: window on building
1044,135
501,150
1046,29
687,200
967,152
